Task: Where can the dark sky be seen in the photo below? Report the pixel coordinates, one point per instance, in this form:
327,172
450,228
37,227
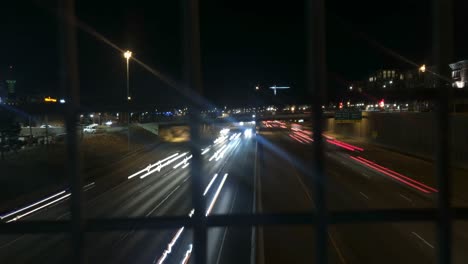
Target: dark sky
244,43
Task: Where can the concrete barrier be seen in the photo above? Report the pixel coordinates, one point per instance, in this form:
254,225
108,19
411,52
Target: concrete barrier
412,133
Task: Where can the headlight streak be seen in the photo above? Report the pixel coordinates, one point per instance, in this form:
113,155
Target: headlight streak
148,168
187,255
38,208
32,205
213,201
160,166
205,151
168,250
209,184
182,162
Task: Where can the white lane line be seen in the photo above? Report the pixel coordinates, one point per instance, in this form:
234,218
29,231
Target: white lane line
365,196
29,206
159,204
422,239
406,198
226,230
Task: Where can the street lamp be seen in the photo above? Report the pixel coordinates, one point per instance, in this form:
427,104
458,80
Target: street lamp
256,87
350,88
422,68
128,55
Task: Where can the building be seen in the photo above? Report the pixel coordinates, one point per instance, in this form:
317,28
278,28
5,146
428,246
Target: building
459,74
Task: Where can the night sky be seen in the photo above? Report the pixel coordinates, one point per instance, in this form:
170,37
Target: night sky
244,44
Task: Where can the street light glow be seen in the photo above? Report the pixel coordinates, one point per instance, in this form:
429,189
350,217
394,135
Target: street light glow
127,54
256,88
422,68
350,88
129,98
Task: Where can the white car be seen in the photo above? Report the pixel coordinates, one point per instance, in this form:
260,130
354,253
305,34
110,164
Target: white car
90,128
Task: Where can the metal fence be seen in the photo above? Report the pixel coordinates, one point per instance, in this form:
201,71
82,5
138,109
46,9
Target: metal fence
443,215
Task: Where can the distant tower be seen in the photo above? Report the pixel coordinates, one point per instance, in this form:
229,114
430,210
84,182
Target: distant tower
11,83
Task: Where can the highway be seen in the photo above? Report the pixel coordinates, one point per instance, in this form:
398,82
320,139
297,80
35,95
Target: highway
151,184
354,183
157,182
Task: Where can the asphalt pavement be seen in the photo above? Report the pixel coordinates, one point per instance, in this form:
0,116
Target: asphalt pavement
144,187
352,184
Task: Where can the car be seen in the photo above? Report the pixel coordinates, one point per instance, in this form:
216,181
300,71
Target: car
90,129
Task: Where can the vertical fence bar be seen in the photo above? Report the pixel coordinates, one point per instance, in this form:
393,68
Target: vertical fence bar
316,83
443,45
194,82
69,82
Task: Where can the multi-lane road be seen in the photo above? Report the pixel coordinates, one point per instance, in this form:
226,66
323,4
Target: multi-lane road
154,183
157,182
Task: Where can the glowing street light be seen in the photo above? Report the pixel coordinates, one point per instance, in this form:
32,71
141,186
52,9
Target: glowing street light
256,87
350,88
422,68
127,55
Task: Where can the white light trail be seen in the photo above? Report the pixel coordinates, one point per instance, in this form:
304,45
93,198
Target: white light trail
187,255
205,151
170,245
185,166
182,162
209,184
160,166
29,206
38,208
216,195
148,168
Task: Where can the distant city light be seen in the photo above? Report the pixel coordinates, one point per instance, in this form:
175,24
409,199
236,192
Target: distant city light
50,100
391,82
350,88
129,98
62,101
253,116
256,87
382,103
91,116
108,123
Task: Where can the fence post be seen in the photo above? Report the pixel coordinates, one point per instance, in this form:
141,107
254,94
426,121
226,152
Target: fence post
442,50
70,84
316,82
193,81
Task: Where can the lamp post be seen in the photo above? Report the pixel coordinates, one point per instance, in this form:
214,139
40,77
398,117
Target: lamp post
127,55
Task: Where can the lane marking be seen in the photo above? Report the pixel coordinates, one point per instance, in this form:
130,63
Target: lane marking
226,230
160,203
340,255
422,239
406,198
367,197
338,251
